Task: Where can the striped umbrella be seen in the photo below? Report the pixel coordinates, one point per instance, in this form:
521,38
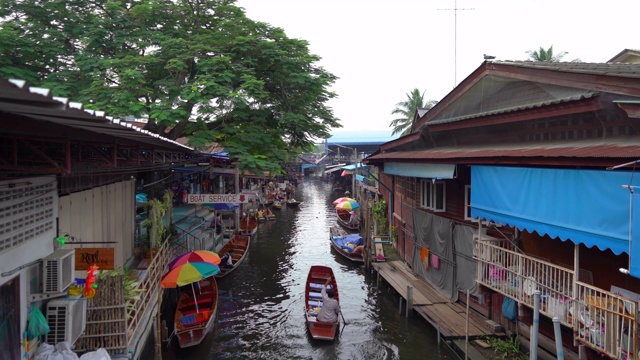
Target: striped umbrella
196,256
339,200
348,205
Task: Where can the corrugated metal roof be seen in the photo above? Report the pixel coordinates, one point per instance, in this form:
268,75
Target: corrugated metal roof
17,98
513,109
623,148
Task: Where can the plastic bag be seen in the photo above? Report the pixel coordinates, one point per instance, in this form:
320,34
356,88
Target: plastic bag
100,354
38,324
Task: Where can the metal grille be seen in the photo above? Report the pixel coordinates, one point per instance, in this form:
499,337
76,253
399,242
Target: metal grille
28,210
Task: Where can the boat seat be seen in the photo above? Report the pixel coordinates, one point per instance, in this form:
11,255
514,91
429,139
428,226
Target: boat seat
188,319
194,318
314,303
318,286
315,295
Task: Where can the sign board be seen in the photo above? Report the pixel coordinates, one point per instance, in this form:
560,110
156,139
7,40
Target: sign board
217,198
103,257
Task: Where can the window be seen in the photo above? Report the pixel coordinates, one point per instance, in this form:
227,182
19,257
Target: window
433,195
467,202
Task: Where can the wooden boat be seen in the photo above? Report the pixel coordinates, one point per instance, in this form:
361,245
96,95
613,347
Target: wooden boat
293,202
240,245
339,239
248,225
343,220
191,326
266,217
316,279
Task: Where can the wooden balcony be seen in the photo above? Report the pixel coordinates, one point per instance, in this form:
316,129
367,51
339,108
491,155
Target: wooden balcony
607,322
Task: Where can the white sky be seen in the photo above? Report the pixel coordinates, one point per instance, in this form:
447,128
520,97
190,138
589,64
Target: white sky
383,49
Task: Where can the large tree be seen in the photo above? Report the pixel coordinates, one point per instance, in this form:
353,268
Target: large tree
194,68
545,55
407,109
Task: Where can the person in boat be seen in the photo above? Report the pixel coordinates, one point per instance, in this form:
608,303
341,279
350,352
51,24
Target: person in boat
226,260
353,219
330,306
260,214
350,245
359,249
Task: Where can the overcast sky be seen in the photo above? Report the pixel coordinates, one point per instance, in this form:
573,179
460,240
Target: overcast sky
382,49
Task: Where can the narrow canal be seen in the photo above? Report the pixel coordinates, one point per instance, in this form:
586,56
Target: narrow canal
261,309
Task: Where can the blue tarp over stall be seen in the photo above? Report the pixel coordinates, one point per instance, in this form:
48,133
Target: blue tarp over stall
352,238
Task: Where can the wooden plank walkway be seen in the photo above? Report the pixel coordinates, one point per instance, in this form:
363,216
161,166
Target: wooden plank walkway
444,314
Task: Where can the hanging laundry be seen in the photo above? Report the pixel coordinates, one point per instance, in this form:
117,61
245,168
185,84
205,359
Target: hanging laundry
424,257
435,261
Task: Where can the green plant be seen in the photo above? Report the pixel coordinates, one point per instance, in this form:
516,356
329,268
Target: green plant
155,221
380,214
508,348
393,232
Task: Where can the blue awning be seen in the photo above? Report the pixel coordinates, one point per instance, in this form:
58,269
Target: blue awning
588,207
420,170
351,167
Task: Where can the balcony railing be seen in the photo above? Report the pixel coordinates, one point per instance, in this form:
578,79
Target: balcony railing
150,282
607,322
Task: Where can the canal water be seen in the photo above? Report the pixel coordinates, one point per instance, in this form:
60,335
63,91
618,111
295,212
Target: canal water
261,304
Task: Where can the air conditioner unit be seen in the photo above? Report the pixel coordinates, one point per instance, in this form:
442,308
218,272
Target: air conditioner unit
67,320
57,271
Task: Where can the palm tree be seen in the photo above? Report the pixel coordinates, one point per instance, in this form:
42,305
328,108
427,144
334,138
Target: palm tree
545,55
415,100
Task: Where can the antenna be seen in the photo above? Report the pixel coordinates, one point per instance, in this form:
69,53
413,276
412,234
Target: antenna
455,39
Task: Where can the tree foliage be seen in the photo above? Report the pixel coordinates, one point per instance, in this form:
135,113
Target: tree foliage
194,68
407,109
545,55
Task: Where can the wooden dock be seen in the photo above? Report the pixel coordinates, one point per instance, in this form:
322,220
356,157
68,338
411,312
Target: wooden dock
447,316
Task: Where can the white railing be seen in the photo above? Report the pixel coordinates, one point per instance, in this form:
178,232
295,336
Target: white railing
607,322
518,276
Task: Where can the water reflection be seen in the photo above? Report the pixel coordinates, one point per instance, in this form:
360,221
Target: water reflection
261,307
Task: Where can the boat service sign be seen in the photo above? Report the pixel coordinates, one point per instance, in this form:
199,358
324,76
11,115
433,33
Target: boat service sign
217,198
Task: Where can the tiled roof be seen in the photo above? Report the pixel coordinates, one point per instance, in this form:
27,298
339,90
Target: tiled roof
609,69
611,148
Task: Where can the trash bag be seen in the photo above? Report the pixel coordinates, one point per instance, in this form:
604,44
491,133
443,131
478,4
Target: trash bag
510,309
100,354
38,324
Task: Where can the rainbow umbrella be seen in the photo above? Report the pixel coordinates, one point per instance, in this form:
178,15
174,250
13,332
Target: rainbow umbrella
348,205
189,273
339,200
196,256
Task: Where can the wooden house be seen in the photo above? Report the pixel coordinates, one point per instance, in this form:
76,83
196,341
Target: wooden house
521,179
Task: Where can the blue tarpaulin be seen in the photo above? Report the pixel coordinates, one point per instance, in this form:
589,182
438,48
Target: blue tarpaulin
352,238
588,207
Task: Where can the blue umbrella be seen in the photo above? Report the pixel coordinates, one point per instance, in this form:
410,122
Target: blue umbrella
222,206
